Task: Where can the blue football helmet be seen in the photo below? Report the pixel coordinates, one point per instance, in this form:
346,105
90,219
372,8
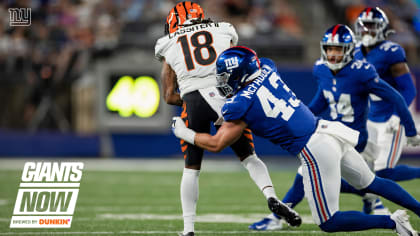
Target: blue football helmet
372,26
236,66
338,36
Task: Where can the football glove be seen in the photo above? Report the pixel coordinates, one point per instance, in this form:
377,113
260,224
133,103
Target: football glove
393,124
413,141
181,131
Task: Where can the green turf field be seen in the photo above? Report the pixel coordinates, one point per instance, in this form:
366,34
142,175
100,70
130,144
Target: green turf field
147,203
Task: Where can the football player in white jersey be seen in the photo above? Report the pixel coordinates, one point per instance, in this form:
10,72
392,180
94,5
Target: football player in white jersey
188,53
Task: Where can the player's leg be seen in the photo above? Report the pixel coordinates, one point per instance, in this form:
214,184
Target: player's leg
391,145
244,149
321,175
400,173
322,168
358,174
292,198
196,114
373,152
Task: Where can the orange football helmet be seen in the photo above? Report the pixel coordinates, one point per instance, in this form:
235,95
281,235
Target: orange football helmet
182,12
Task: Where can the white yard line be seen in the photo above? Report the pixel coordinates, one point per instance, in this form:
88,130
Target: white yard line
176,164
208,218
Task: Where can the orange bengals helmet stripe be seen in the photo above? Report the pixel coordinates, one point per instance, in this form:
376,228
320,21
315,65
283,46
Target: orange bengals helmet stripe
180,13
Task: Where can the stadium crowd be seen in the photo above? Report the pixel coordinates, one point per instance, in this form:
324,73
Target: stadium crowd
40,63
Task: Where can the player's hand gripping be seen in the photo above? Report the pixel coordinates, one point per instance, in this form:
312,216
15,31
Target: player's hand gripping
181,131
414,140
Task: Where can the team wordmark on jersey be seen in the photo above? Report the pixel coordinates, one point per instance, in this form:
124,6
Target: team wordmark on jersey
47,195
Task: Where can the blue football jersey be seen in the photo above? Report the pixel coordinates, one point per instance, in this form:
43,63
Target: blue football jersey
345,95
272,110
382,57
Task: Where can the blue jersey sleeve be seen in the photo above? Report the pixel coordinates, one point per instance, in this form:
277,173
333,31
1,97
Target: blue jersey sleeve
234,109
318,103
405,86
382,89
364,71
268,62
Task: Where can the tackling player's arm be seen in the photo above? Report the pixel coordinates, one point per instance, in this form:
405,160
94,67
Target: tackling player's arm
405,85
170,85
228,133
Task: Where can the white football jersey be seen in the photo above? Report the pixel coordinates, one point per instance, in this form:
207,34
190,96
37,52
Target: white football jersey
192,52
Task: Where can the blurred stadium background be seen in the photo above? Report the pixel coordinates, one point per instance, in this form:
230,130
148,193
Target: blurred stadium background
72,85
59,76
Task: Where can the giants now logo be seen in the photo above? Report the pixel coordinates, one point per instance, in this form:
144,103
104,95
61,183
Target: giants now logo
47,195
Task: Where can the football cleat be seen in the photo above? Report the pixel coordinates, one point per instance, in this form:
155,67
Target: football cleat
285,212
402,224
187,234
270,222
374,206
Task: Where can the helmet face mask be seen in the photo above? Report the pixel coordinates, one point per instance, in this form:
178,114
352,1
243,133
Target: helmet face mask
371,26
336,38
222,84
235,67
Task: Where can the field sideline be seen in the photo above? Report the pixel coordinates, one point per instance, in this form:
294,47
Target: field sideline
141,197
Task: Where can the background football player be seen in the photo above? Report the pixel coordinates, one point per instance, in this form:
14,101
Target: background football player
386,134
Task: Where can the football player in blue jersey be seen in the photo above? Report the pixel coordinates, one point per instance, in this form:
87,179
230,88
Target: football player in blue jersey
386,134
344,87
261,101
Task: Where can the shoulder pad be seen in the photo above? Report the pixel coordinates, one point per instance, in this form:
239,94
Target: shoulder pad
160,47
268,62
235,108
360,65
319,62
389,46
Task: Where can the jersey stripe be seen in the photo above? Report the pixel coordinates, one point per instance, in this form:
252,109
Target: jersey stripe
312,186
258,60
321,186
368,10
316,183
394,147
335,30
